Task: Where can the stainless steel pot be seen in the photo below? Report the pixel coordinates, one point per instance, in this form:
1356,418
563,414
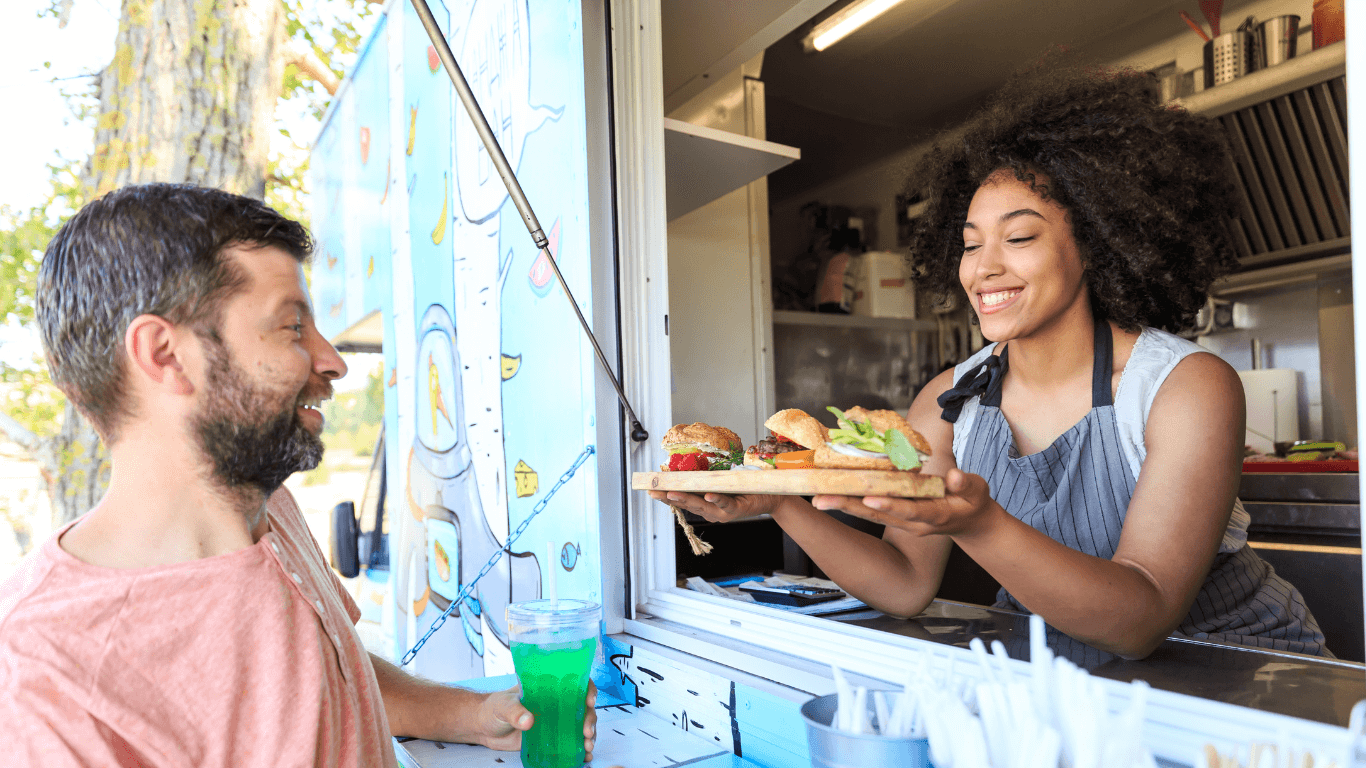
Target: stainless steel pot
1274,41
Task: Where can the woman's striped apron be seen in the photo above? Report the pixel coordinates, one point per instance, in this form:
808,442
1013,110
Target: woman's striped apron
1077,490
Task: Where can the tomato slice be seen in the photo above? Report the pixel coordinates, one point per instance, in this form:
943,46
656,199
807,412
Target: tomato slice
795,460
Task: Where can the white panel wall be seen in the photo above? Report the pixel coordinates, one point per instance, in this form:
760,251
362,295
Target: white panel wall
719,307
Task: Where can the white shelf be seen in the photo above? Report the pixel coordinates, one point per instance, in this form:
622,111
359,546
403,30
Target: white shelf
702,164
785,317
1302,71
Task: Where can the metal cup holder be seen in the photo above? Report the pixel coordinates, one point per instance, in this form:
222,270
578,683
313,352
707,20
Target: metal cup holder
1228,57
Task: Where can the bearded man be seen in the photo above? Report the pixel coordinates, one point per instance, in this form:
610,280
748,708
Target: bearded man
190,618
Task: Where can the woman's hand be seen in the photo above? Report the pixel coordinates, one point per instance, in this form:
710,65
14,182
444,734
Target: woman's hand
967,508
720,507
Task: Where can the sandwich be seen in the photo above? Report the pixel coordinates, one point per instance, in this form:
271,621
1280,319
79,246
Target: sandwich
872,440
701,447
795,435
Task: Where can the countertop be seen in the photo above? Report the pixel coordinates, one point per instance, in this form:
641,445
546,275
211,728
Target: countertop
1293,684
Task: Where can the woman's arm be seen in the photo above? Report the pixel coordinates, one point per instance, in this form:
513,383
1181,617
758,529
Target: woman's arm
1180,508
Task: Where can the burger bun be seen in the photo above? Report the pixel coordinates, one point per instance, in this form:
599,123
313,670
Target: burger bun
798,426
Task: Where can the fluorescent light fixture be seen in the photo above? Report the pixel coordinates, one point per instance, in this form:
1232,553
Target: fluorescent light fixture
842,24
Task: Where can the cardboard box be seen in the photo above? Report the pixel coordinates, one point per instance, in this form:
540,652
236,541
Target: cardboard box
884,287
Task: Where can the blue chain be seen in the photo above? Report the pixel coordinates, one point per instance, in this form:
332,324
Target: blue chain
465,592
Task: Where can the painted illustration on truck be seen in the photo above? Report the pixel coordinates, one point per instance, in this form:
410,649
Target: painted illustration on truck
489,395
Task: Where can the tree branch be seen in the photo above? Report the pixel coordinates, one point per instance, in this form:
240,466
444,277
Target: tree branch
309,64
19,434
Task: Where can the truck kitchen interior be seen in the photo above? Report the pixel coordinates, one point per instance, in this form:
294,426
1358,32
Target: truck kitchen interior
745,334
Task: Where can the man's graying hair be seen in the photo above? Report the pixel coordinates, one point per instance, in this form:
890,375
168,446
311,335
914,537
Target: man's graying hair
151,249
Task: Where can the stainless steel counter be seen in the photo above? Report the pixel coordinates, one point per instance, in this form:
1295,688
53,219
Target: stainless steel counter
1286,683
1302,502
1307,525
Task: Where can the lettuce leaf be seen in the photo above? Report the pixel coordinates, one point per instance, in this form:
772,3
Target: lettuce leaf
900,450
858,434
862,435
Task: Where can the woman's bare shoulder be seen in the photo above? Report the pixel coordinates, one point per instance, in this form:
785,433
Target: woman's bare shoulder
1202,391
1201,374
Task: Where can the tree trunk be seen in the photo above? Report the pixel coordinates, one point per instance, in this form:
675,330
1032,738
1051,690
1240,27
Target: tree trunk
189,98
190,95
80,469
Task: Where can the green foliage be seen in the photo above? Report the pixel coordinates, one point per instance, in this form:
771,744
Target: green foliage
331,28
30,398
23,237
319,475
352,420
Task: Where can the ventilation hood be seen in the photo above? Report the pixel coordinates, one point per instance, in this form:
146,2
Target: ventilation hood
1287,126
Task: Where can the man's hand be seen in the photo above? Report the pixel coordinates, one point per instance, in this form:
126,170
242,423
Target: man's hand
501,718
428,710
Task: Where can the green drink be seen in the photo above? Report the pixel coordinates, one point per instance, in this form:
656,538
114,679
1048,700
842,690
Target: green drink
553,646
554,685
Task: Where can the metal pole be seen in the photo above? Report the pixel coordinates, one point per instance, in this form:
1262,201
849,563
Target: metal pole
443,50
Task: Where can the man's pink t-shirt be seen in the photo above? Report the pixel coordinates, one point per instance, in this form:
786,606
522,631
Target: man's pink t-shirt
244,659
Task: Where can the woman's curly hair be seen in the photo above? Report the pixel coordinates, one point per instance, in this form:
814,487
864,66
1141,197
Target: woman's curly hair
1147,188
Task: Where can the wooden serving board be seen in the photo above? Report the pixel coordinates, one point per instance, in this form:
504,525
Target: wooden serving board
796,482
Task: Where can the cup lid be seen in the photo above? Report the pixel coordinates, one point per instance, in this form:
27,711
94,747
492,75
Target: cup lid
554,613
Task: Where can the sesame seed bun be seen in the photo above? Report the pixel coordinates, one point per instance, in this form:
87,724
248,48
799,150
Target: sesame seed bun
704,437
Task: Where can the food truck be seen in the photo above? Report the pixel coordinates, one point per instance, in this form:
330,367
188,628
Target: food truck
643,137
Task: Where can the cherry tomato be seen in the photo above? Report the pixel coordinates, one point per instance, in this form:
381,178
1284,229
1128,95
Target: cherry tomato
688,462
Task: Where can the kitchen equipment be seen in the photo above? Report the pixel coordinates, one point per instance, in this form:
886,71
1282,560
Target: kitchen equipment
883,286
1192,82
1212,9
1272,407
795,594
1169,86
1228,57
1274,41
1193,24
795,482
1330,24
833,748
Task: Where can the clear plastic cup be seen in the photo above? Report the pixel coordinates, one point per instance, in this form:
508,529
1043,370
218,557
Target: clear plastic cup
553,646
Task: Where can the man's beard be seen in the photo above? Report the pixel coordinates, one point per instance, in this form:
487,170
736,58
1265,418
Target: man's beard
249,443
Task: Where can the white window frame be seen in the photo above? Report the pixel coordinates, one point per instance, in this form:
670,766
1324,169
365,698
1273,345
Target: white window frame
791,650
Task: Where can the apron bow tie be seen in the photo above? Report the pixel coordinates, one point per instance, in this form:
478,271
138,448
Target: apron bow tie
978,381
